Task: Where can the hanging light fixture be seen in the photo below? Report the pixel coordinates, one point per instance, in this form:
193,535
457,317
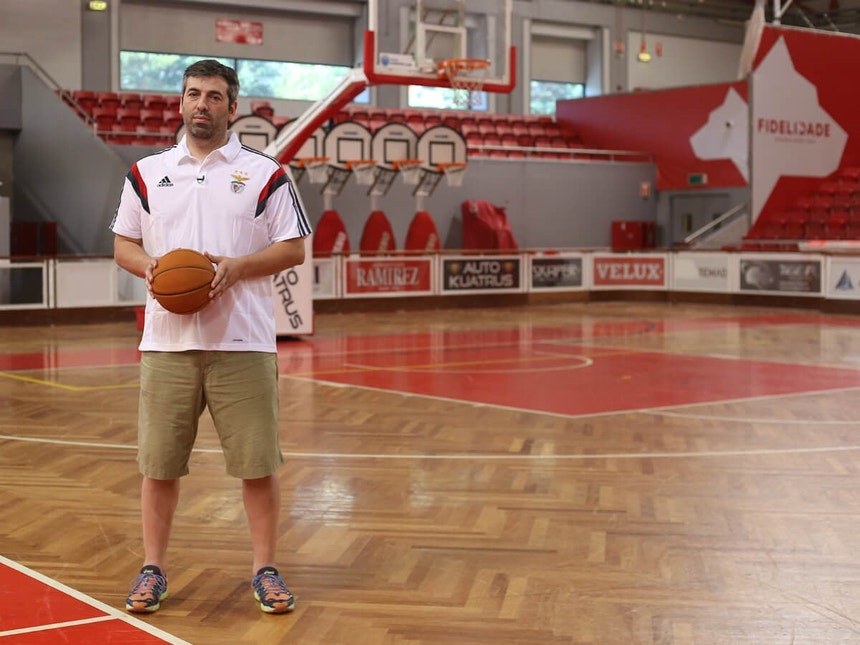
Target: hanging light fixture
643,56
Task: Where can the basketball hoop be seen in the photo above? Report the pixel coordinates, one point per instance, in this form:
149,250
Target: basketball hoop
466,76
454,173
316,167
409,169
364,171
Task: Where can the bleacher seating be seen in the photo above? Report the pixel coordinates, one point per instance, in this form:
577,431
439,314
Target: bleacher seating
831,212
143,116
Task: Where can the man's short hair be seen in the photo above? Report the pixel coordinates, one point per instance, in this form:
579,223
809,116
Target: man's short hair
211,67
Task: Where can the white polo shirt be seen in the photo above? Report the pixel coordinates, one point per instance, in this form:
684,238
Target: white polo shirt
236,202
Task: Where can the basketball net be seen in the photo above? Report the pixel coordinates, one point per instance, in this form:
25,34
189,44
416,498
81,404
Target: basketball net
466,76
364,171
410,170
316,167
454,173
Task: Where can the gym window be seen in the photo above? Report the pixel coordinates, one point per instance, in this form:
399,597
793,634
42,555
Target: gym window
162,73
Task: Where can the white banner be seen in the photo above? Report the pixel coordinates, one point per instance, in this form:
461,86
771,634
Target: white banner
293,294
709,272
843,279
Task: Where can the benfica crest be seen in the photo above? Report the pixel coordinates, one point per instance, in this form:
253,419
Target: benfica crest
238,183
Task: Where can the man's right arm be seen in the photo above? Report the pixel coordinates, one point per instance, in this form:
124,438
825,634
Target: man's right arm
129,254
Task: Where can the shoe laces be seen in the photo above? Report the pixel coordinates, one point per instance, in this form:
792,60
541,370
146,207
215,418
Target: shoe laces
273,584
147,582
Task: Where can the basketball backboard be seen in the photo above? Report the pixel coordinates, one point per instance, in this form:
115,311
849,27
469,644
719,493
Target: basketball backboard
392,143
433,31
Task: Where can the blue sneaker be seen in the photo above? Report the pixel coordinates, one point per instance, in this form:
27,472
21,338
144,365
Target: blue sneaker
271,592
149,589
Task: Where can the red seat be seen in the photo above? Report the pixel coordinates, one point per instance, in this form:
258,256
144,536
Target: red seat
152,117
122,134
851,173
154,102
172,120
263,109
486,126
836,227
377,121
104,118
130,100
794,227
149,135
86,99
168,134
814,230
128,117
109,100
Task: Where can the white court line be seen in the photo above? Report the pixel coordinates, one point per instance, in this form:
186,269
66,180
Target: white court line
561,415
659,411
113,614
477,456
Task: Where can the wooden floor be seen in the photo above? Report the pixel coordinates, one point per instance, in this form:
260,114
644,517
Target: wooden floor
601,473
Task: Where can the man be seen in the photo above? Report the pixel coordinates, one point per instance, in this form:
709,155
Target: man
240,208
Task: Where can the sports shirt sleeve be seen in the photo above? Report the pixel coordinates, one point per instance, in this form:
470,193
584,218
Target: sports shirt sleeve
282,204
132,202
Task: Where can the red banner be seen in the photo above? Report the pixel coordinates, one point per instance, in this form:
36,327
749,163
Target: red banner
630,271
242,32
692,131
385,275
804,111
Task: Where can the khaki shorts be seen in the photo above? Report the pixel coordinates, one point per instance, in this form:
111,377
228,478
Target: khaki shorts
239,388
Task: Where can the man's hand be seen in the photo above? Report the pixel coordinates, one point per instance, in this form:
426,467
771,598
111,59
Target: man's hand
228,271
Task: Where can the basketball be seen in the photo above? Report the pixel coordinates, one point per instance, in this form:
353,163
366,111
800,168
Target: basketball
181,281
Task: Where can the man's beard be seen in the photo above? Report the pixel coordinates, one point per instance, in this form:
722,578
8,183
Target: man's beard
201,130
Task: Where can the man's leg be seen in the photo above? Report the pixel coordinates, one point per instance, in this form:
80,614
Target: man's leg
262,504
262,498
158,500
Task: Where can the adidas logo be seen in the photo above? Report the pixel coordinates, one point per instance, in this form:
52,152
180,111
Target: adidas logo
165,182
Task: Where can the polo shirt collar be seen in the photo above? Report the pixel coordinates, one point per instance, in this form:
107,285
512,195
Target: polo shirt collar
227,152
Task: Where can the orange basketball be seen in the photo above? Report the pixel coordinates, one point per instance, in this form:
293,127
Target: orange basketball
182,281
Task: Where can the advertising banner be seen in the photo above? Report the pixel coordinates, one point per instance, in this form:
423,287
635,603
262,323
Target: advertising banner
802,112
630,271
325,278
699,135
843,281
241,32
293,295
780,275
559,272
701,272
388,277
481,274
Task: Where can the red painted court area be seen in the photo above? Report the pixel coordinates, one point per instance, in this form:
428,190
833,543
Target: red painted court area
34,609
556,370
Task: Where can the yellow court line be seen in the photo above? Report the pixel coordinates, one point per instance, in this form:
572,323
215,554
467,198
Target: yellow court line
352,368
70,388
495,361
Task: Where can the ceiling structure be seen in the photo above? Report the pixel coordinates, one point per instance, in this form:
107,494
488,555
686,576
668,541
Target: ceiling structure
830,15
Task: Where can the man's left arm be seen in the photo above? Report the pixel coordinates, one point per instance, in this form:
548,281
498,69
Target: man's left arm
268,262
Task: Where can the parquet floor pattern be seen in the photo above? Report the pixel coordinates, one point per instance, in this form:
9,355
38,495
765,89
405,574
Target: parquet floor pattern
423,520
